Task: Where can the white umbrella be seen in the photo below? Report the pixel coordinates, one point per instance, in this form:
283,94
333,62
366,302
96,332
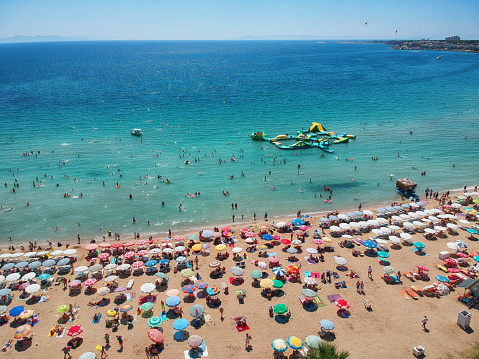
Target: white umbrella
372,222
355,225
453,246
124,266
147,287
397,218
69,252
6,255
179,249
155,251
262,265
380,241
312,250
110,266
461,244
280,224
2,278
430,231
310,280
363,223
463,221
347,236
442,216
237,250
421,213
344,226
385,230
394,240
13,277
27,277
450,216
368,213
110,278
30,254
340,261
16,255
296,242
442,289
434,219
440,228
376,231
413,205
342,216
57,252
32,288
394,228
419,224
382,220
81,269
435,211
42,253
426,220
413,214
456,205
405,216
408,225
451,226
335,229
405,236
168,250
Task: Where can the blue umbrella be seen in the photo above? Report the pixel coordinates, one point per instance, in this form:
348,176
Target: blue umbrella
326,324
21,264
441,278
193,237
422,204
405,205
8,266
267,237
476,258
333,218
381,210
279,345
359,213
305,216
279,271
383,254
63,262
324,219
207,233
181,259
350,215
5,291
49,263
419,245
44,276
164,262
473,231
370,244
16,311
298,221
398,208
390,208
151,263
34,265
87,355
180,324
172,301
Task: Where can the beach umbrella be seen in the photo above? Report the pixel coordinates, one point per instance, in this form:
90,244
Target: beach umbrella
308,292
370,244
81,269
189,289
313,341
13,277
450,261
292,250
324,220
22,331
5,291
292,268
137,265
341,261
73,283
154,322
26,314
129,255
168,250
172,301
298,221
117,245
389,270
237,249
195,341
2,278
333,218
89,247
63,262
335,229
237,271
453,270
164,262
342,303
172,292
104,245
285,241
326,324
344,226
111,312
110,278
147,287
380,241
220,247
28,276
394,239
63,308
215,264
442,289
250,234
18,254
23,286
476,258
180,249
196,247
312,250
34,265
147,306
430,231
126,308
381,210
472,231
161,275
213,290
207,234
278,271
187,273
280,308
266,283
103,256
267,237
16,311
442,278
104,291
21,264
180,324
8,266
155,335
30,254
89,282
295,343
277,225
87,355
262,265
256,274
461,244
74,330
383,254
96,267
278,284
279,345
3,309
32,288
419,245
273,259
70,251
151,263
6,255
453,246
355,225
318,241
405,236
197,310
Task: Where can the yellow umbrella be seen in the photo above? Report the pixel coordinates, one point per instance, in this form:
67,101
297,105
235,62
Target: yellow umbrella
111,312
26,314
221,247
266,283
187,273
326,239
196,247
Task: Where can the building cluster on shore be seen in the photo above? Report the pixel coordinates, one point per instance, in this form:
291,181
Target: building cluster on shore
450,44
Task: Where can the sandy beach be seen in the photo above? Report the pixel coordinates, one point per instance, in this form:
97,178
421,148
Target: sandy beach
392,328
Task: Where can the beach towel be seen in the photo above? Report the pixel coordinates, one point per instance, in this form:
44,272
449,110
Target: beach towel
309,261
272,254
130,296
239,329
315,275
333,298
307,274
208,318
61,334
318,301
163,317
44,298
97,321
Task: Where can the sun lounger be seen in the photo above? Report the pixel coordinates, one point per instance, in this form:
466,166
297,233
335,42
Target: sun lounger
404,294
412,293
441,267
130,284
417,290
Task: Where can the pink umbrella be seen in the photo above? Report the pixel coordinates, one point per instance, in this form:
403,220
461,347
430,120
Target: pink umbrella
90,282
137,264
179,239
273,259
463,255
318,241
117,245
226,229
74,284
303,227
249,234
450,261
23,285
153,240
91,247
141,243
128,244
276,237
143,253
422,268
103,256
129,255
166,240
105,245
300,233
244,230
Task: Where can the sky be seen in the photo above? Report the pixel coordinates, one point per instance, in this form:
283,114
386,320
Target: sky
237,19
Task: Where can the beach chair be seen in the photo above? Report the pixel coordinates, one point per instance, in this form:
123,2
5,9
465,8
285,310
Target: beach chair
417,290
130,284
411,293
79,275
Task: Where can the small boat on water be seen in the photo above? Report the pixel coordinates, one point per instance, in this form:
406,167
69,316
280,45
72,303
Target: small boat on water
136,132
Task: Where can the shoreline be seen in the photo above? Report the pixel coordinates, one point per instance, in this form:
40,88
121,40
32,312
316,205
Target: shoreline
185,232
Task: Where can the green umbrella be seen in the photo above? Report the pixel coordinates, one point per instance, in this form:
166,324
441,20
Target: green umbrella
147,306
63,308
161,275
197,310
154,322
277,284
256,274
280,308
313,341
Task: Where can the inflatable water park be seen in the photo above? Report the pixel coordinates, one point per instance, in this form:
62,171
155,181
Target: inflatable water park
316,136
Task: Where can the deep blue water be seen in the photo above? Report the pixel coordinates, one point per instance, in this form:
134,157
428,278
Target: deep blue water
77,102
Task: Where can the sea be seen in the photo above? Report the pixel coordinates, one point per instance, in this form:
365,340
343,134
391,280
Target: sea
69,165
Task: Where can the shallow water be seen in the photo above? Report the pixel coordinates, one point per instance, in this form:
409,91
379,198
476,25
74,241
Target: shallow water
77,102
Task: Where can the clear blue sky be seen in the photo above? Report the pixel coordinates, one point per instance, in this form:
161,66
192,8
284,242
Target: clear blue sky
233,19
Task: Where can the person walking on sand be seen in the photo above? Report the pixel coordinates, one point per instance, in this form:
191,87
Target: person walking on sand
358,286
370,273
221,313
120,341
362,287
424,321
103,353
265,216
247,343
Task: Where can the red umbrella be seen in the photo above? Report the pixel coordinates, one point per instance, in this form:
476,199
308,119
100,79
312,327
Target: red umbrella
318,241
453,270
244,230
138,264
450,261
155,335
89,282
128,244
226,229
75,330
91,247
141,243
292,268
189,288
179,239
129,255
103,256
153,240
142,253
250,234
74,284
117,245
422,268
342,303
24,285
285,241
105,245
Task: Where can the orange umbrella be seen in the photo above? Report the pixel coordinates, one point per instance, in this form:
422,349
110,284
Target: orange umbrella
155,335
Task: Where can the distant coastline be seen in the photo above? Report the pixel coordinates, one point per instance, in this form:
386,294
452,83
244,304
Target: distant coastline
438,45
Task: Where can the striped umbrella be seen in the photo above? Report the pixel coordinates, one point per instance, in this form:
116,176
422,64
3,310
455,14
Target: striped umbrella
201,285
154,322
187,273
103,256
189,289
89,282
389,270
138,264
278,271
279,345
126,308
147,306
213,290
22,331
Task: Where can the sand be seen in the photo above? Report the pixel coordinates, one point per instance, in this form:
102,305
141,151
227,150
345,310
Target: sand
390,330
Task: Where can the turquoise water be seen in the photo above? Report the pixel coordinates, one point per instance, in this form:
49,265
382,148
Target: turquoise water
77,102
